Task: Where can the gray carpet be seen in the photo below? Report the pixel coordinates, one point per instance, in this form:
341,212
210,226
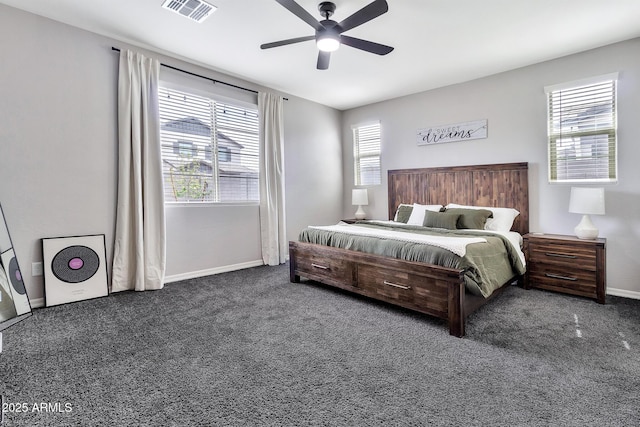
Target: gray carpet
250,348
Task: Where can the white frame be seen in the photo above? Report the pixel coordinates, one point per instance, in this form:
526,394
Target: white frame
58,291
574,84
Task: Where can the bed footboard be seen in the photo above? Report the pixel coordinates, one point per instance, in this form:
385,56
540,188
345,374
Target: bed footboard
426,288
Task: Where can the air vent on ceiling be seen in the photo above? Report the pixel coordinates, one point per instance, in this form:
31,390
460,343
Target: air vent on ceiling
197,10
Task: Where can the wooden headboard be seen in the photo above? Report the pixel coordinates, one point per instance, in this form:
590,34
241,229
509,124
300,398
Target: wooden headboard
497,185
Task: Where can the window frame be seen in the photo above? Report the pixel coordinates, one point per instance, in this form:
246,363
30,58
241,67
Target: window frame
554,135
216,97
357,156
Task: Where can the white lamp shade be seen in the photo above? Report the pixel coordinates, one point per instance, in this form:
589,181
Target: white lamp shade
588,201
359,197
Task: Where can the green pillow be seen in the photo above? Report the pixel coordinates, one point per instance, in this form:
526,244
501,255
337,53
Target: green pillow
404,212
471,218
446,220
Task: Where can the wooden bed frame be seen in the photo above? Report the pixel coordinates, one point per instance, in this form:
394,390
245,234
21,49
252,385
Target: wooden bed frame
426,288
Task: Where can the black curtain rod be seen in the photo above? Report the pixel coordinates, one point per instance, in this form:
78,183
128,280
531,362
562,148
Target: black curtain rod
203,77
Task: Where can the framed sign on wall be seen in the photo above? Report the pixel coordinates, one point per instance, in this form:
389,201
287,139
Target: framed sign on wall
451,133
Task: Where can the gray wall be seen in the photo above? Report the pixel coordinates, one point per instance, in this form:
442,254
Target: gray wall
58,154
515,105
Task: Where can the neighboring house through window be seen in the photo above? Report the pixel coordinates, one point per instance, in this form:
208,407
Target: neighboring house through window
582,130
192,128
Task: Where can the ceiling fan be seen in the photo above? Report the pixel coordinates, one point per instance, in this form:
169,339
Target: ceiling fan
329,35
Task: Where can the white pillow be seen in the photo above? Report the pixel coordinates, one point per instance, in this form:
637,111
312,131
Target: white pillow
502,217
417,214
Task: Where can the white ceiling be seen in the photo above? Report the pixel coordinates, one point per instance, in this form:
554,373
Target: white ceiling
437,42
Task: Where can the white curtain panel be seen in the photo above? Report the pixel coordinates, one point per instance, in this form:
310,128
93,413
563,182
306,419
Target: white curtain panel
272,217
139,251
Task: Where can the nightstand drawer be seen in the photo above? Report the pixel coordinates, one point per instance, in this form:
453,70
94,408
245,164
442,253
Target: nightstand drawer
556,278
563,255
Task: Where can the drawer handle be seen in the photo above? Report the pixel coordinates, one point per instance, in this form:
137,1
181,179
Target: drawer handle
322,267
560,255
395,285
558,276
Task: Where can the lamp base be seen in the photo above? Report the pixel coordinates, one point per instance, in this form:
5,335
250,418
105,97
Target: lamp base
360,214
586,230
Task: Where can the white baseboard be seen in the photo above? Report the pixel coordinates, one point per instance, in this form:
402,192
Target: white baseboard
212,271
36,302
623,293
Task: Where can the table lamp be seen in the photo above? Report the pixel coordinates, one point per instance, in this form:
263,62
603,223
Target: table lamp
586,201
359,197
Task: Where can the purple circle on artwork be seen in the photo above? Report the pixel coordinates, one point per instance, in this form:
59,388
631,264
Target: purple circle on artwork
18,276
76,263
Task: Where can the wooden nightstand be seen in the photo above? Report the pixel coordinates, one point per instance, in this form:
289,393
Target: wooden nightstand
566,264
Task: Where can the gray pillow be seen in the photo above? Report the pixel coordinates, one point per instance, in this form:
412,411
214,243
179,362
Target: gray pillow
446,220
404,212
471,218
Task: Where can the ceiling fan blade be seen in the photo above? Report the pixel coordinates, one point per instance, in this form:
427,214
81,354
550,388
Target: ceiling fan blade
301,13
323,60
286,42
377,48
366,14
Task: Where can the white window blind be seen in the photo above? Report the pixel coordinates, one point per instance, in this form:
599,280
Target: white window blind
209,149
582,131
366,150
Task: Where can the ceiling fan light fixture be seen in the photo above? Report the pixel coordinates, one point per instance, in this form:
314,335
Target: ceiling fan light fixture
328,42
328,35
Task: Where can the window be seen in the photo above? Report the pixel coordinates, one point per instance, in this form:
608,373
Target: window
224,154
192,128
184,149
582,131
366,153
